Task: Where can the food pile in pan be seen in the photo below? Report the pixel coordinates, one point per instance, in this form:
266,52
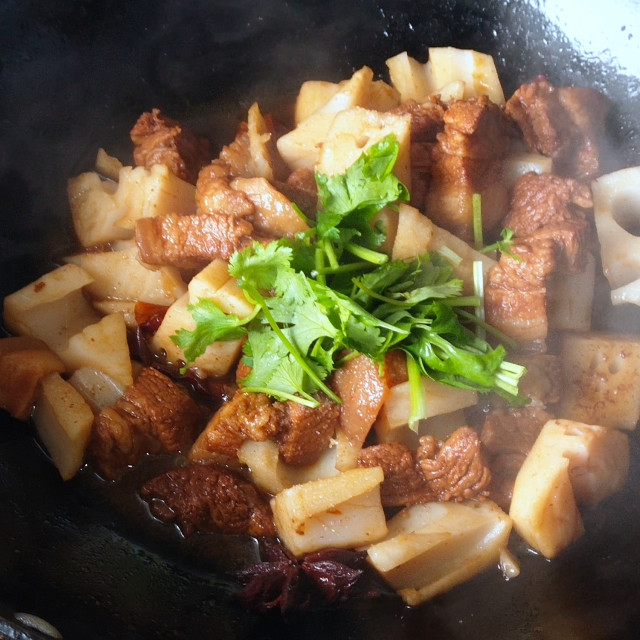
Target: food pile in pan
366,332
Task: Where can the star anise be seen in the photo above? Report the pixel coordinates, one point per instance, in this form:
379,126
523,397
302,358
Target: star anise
284,582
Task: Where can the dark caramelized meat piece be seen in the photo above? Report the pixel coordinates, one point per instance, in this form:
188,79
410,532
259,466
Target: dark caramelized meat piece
403,482
160,140
154,415
508,435
306,432
566,124
202,497
466,160
516,293
215,195
547,206
191,241
427,118
247,416
363,391
540,201
453,470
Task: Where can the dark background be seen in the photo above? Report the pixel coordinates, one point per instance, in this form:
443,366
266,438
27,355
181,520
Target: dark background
74,76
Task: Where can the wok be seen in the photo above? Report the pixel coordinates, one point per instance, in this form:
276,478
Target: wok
74,76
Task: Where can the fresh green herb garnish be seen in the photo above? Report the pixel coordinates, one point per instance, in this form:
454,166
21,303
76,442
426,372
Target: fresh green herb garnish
329,291
503,245
476,208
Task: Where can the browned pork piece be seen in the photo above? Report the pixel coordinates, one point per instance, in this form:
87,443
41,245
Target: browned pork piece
24,361
215,195
247,416
588,110
191,242
567,124
306,431
547,206
202,497
237,154
516,293
507,435
159,139
427,120
548,215
301,187
466,160
302,433
542,200
267,207
453,470
363,391
154,415
542,381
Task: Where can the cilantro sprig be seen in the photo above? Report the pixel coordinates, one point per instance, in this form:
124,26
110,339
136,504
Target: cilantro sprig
330,291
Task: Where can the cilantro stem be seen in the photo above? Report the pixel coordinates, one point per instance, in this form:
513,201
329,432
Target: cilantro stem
476,204
255,294
450,255
416,392
376,257
507,379
307,401
463,301
478,289
319,265
490,329
378,296
343,268
330,253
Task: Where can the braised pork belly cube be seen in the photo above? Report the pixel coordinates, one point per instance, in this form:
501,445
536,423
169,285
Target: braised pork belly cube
306,432
274,214
214,194
363,392
541,200
155,415
24,361
437,471
467,160
203,497
190,242
159,139
253,153
565,123
247,416
507,436
516,293
302,433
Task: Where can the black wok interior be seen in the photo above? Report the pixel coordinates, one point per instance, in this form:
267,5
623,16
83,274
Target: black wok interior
74,76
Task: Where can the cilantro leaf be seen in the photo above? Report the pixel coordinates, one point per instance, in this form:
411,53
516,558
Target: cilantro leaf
212,325
350,200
